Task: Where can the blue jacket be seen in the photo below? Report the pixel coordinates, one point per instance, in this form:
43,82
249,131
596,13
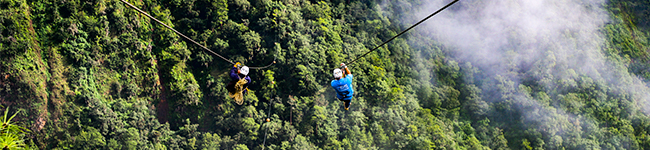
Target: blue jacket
235,76
343,87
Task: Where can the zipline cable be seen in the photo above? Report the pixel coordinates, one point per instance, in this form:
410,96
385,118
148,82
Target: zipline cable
416,24
179,33
268,117
136,8
267,128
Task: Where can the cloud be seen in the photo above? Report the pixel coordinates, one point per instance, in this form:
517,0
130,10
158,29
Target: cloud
558,40
485,31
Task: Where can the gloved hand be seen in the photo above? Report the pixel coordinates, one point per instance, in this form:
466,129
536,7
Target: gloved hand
237,65
343,65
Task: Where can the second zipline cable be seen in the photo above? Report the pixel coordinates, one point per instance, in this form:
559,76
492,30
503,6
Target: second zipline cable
416,24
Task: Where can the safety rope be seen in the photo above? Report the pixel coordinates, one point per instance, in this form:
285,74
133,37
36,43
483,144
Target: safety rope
382,44
269,65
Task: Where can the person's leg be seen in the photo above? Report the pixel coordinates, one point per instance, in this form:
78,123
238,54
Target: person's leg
347,104
245,88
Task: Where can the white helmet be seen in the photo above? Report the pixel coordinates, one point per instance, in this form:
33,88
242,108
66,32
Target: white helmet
244,70
338,73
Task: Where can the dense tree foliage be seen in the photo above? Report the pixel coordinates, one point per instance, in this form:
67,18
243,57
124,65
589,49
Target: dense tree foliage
99,75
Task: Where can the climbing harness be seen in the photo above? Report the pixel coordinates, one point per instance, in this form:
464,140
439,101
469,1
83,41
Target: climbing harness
182,35
416,24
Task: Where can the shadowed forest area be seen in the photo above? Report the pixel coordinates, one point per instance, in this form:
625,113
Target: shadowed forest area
97,74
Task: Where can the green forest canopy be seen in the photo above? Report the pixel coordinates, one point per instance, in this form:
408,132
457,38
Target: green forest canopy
99,75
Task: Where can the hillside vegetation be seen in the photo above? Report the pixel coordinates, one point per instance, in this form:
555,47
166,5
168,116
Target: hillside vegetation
97,74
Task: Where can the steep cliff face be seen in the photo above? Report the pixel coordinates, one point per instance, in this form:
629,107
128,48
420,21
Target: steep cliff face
26,73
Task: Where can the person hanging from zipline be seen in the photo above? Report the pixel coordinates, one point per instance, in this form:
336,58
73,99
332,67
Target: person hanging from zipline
239,84
342,84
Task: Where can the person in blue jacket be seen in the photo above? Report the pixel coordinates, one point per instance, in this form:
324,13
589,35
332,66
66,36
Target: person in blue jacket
342,84
237,73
